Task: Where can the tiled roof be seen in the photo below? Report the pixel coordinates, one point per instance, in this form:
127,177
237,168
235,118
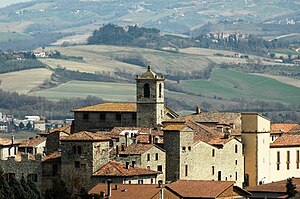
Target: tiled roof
32,142
199,188
65,129
278,187
285,127
213,116
128,191
287,140
136,149
53,156
110,107
118,169
85,136
5,142
175,127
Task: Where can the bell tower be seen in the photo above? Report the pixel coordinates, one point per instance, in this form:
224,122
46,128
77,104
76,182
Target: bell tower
150,99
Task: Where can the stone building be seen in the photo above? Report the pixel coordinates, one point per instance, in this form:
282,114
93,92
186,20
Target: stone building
125,174
148,111
33,146
195,152
82,154
148,156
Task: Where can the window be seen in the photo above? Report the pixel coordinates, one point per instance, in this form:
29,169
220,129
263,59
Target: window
32,177
151,180
212,170
74,149
297,159
189,148
236,148
118,116
148,167
186,170
102,116
54,169
213,153
278,160
156,156
219,175
288,160
236,176
183,148
9,176
148,157
235,162
77,164
146,90
159,168
79,149
133,116
140,182
160,91
85,116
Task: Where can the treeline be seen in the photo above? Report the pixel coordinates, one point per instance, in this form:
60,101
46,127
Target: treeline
84,76
16,61
21,105
288,71
14,189
252,44
40,39
111,34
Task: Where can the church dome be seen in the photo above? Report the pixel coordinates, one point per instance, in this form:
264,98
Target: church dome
149,74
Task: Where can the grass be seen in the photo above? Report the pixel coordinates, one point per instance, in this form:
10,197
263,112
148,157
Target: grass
14,36
24,81
230,84
107,91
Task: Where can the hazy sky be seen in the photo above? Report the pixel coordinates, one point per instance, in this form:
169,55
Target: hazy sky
4,3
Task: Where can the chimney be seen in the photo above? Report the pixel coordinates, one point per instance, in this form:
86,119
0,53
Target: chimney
108,188
126,139
117,150
122,147
150,138
116,187
127,165
198,110
159,183
226,133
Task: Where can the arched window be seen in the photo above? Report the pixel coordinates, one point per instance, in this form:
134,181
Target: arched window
146,90
159,90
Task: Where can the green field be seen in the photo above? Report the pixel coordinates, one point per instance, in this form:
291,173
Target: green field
107,91
14,36
230,84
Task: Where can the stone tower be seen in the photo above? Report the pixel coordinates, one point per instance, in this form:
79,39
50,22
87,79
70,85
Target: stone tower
256,141
150,99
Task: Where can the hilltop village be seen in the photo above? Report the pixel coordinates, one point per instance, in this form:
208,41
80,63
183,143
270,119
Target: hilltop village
144,149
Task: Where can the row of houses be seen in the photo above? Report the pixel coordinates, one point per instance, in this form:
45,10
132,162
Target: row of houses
148,143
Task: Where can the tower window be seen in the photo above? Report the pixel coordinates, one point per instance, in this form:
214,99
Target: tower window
102,116
86,116
146,90
160,91
118,116
186,170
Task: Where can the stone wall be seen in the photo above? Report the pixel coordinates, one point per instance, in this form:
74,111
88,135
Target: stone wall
94,123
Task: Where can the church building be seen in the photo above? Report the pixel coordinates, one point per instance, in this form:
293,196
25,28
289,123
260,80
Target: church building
149,110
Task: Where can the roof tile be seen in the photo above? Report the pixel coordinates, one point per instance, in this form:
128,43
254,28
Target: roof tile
110,107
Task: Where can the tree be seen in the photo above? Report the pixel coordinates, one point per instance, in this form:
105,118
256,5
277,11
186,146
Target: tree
28,126
290,188
21,125
17,189
59,190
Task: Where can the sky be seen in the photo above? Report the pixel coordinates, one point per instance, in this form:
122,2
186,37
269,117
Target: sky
4,3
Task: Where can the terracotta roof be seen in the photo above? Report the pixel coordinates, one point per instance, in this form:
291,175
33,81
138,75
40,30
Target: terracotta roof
85,136
136,149
175,127
278,187
110,107
65,129
32,142
118,169
128,191
199,188
287,140
53,156
5,142
284,127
